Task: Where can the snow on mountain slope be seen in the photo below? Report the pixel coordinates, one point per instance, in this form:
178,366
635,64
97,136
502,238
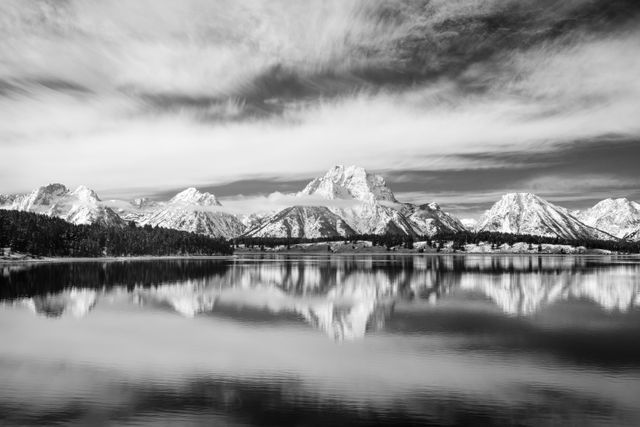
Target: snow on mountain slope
136,210
350,183
191,196
634,236
619,217
8,199
469,223
430,219
525,213
255,219
303,221
40,200
81,206
195,212
374,210
375,218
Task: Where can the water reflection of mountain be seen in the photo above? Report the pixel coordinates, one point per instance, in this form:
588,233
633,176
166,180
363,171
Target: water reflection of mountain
344,312
19,281
348,297
524,294
74,302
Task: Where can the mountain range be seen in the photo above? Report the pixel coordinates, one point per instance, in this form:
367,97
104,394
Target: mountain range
345,201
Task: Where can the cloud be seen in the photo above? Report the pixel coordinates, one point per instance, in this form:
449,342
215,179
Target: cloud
277,201
243,205
162,95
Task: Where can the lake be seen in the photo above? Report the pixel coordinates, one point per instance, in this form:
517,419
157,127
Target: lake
322,340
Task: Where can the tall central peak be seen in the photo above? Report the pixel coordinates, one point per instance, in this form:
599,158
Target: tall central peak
350,182
193,196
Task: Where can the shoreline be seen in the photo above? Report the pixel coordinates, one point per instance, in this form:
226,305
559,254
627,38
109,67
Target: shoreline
52,260
310,253
111,259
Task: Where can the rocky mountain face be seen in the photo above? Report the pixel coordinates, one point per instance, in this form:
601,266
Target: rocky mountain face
618,217
350,183
633,236
80,206
430,219
370,207
525,213
469,223
195,212
303,221
254,219
137,209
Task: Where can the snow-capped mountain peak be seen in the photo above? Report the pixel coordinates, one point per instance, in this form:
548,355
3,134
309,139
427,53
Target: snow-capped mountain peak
376,210
85,194
194,197
350,182
526,213
45,195
81,206
619,217
185,212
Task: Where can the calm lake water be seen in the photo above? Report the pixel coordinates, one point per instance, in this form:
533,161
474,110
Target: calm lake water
353,340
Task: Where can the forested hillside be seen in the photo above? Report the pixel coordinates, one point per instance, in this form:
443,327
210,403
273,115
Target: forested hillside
46,236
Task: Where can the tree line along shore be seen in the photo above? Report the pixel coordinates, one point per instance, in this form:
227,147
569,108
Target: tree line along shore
43,236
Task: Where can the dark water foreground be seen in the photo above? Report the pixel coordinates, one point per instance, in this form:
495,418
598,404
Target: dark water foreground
384,340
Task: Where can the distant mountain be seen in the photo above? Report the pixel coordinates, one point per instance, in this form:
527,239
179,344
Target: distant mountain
430,219
350,183
254,219
195,212
526,213
303,221
469,223
618,217
191,196
368,201
370,206
81,206
135,210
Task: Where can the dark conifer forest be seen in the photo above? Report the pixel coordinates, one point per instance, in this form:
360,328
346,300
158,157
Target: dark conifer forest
41,235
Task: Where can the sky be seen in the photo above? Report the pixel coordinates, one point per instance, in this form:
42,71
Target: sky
452,101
